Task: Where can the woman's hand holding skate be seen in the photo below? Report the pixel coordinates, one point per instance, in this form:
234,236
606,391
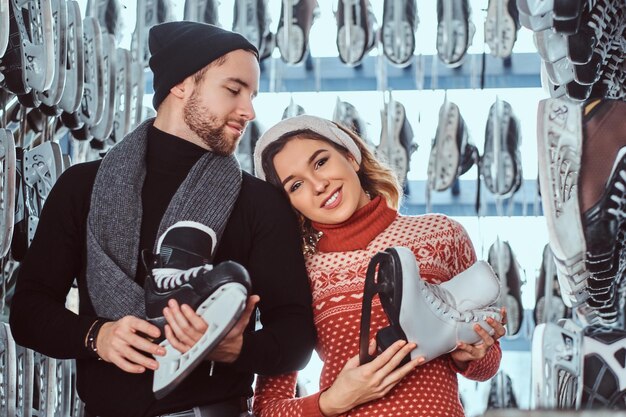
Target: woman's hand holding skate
357,384
121,343
466,353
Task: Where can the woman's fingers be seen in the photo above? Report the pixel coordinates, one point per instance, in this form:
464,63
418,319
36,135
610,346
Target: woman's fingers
382,359
397,358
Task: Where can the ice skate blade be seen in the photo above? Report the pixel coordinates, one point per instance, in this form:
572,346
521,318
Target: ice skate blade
221,311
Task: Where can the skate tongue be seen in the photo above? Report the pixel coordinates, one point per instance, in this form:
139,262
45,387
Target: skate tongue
186,245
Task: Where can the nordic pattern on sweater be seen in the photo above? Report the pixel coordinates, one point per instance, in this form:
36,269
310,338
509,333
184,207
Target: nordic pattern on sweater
442,249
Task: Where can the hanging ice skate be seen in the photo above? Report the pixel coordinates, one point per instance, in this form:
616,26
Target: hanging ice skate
552,46
4,27
294,26
398,31
582,172
8,372
356,30
588,364
182,269
202,11
503,261
123,87
245,149
251,20
537,21
29,63
75,71
7,190
556,366
500,165
396,139
25,381
292,110
447,312
92,103
347,115
108,13
455,31
103,129
501,394
45,385
452,154
549,305
501,27
50,98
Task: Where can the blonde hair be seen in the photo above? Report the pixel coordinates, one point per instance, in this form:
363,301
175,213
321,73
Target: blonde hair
376,178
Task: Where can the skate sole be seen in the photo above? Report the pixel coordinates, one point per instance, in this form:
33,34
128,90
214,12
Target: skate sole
440,177
500,30
559,144
227,301
551,46
7,189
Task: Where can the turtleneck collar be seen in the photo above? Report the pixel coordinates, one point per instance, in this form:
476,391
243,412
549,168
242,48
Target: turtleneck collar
359,230
169,153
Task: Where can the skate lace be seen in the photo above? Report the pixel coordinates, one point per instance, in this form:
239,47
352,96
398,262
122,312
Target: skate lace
170,278
443,302
618,198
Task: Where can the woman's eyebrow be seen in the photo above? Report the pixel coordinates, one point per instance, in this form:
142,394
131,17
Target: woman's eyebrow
311,159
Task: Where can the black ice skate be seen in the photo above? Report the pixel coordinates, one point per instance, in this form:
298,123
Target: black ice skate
455,31
501,394
182,270
503,261
396,139
293,110
501,166
355,30
347,115
250,19
202,11
398,31
294,26
452,154
245,149
549,308
447,312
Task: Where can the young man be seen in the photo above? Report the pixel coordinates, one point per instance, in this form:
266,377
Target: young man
100,215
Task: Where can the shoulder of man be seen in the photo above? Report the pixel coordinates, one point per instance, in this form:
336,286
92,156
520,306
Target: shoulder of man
262,194
77,179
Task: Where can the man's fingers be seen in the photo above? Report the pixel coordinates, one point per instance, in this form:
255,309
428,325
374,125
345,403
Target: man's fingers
397,375
241,324
180,326
126,365
174,341
139,325
143,344
198,324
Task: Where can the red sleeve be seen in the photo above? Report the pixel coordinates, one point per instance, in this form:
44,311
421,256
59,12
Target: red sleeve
275,396
483,369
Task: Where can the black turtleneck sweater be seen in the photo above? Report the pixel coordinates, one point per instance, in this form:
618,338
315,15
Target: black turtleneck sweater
261,234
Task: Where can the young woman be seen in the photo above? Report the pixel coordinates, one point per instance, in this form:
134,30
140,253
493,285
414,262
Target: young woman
347,203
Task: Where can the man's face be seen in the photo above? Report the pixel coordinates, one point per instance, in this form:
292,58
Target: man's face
220,105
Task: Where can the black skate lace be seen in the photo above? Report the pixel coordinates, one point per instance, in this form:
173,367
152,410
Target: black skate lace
170,278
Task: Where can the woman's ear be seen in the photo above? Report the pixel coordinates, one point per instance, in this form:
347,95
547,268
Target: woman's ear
353,162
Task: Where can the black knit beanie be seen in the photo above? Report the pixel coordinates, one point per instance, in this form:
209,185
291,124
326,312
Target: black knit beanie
180,49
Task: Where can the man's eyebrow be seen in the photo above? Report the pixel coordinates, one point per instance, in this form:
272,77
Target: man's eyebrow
311,159
243,84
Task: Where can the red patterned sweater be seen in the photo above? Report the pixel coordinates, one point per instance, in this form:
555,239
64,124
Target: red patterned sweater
336,275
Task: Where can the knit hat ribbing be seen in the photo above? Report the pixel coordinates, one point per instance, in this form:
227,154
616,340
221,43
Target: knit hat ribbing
180,49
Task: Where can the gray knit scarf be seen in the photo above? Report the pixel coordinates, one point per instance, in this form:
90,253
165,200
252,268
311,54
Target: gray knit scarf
206,196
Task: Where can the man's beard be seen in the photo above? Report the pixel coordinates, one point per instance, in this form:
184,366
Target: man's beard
210,130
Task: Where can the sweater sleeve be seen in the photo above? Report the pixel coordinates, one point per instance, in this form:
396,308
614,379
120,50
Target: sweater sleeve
38,317
465,256
276,266
275,396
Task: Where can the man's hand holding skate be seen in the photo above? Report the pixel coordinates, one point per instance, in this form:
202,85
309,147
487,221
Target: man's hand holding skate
185,328
118,342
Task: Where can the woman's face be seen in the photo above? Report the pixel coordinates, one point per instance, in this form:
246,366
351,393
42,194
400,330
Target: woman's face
320,181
